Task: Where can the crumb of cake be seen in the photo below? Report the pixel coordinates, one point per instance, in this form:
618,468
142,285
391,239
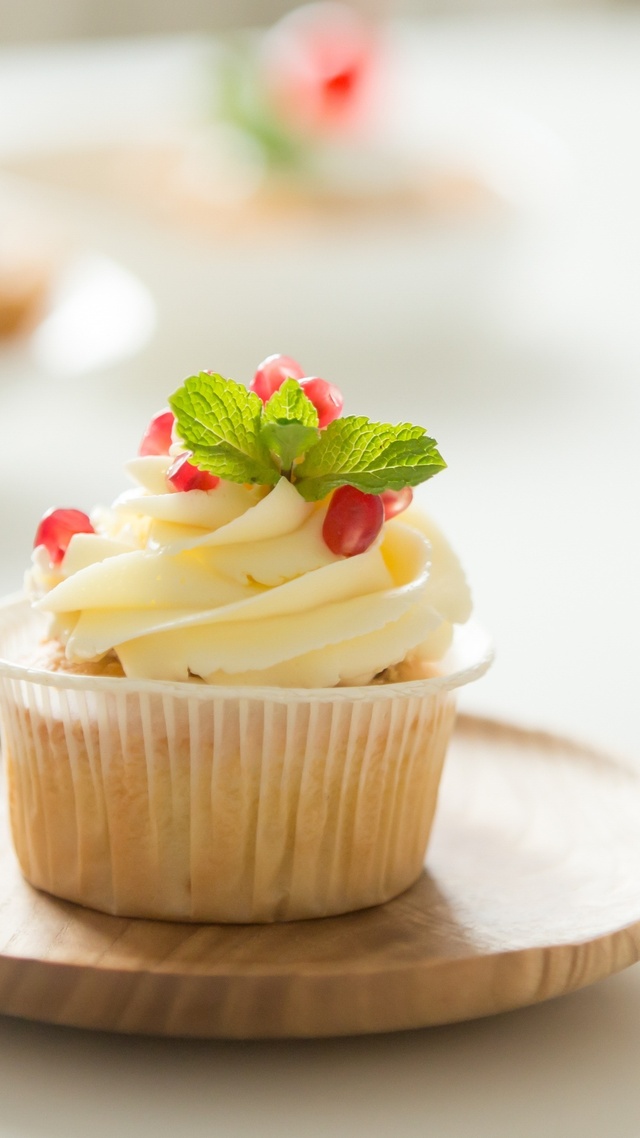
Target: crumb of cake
50,657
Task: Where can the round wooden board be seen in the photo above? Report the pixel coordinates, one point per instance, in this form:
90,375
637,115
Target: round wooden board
532,889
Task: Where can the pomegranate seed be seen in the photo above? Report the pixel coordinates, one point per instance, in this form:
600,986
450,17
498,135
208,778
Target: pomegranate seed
318,65
353,521
339,88
395,501
183,475
326,399
56,530
157,437
272,373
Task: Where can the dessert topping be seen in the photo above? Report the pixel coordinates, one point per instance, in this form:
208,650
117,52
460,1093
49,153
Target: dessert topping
233,434
285,574
353,521
395,501
271,374
158,436
275,370
183,475
317,64
56,530
312,80
326,398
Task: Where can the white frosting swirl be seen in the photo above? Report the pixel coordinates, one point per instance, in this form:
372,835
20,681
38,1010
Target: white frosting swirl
236,586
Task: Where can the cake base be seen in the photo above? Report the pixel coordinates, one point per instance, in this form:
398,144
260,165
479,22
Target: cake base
532,890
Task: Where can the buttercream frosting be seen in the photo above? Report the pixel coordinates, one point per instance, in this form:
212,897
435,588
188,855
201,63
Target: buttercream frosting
236,585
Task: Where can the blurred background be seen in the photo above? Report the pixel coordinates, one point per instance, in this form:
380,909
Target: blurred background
449,231
39,19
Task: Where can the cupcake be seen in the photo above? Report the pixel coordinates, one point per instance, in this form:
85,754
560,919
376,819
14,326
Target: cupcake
228,697
307,113
296,123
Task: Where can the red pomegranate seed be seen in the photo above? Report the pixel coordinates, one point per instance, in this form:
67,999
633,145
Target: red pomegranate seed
56,530
326,399
157,437
395,501
339,88
318,65
183,475
272,373
353,521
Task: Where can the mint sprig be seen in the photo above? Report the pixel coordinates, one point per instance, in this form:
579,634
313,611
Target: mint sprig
233,435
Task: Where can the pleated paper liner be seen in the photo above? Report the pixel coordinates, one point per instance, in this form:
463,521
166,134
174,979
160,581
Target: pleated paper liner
184,802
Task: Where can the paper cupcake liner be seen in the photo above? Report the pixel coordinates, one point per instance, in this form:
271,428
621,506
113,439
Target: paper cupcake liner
192,803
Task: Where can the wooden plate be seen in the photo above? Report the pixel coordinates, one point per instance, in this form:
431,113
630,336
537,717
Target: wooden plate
532,889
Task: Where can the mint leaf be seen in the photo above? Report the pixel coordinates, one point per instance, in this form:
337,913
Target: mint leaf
290,424
219,421
240,100
288,441
290,404
370,456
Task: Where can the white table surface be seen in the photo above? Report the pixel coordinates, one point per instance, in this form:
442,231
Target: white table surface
518,344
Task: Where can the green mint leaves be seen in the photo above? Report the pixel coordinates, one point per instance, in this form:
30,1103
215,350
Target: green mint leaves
232,434
370,456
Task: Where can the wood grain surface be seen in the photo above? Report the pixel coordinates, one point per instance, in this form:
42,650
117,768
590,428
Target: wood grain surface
531,890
